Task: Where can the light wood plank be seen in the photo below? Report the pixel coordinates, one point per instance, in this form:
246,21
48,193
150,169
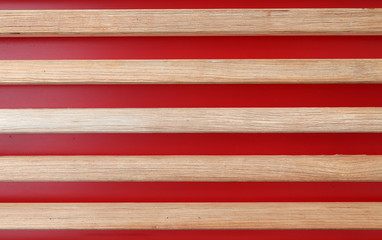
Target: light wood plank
154,22
191,71
191,168
190,120
191,215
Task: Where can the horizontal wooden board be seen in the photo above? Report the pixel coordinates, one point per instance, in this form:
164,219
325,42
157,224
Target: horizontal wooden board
191,120
191,215
153,22
191,71
191,168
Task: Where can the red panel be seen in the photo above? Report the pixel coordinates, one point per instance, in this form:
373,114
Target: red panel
192,235
192,47
191,144
190,192
86,4
138,96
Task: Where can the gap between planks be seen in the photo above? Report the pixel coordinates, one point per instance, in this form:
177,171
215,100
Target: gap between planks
318,215
192,168
190,22
191,71
191,120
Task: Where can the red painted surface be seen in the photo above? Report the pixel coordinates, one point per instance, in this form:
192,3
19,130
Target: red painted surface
155,4
191,144
190,192
190,96
153,96
195,234
286,47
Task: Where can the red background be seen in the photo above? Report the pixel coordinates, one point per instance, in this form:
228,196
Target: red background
109,96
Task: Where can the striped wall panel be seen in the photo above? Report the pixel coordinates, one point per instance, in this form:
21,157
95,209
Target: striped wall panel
204,119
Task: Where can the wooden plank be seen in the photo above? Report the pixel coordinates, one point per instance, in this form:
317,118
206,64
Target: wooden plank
191,215
191,168
191,71
159,22
191,120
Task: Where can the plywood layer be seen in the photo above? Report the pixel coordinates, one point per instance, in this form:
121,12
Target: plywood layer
159,22
191,120
191,71
191,215
191,168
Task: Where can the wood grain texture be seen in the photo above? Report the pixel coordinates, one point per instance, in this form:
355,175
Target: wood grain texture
154,22
191,71
191,168
191,120
191,215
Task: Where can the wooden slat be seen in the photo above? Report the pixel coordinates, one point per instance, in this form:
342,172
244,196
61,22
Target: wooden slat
153,22
191,71
191,215
191,168
191,120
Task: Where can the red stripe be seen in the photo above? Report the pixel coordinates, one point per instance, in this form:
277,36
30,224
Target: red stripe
191,144
191,235
115,4
190,192
192,47
142,96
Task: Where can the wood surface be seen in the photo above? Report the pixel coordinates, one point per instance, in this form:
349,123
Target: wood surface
191,168
191,215
191,71
159,22
190,120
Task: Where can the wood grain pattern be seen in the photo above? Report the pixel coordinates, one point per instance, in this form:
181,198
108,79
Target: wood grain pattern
153,22
191,71
191,120
191,215
191,168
